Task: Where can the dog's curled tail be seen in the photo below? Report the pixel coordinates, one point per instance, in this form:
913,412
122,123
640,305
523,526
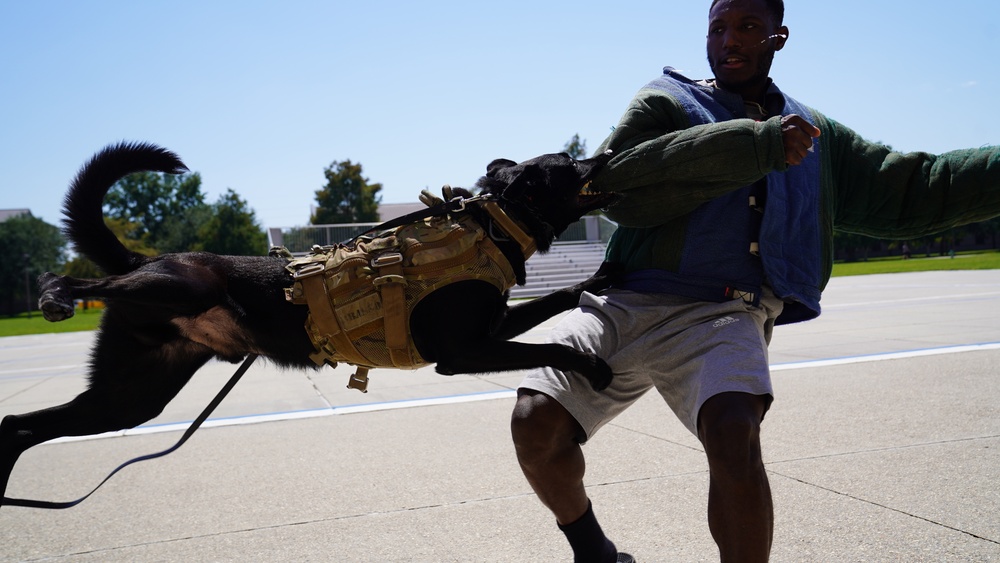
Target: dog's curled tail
84,204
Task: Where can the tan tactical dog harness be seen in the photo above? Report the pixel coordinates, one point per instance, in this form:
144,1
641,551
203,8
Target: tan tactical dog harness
360,294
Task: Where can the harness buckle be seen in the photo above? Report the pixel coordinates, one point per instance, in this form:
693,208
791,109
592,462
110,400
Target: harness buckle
311,269
748,297
387,259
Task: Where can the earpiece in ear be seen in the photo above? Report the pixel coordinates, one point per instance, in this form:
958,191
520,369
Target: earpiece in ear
775,36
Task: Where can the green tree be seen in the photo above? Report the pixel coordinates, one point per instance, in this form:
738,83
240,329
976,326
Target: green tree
576,147
987,232
180,232
154,201
168,213
348,197
232,229
30,247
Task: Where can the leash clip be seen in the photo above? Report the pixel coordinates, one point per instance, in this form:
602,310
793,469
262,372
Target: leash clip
459,203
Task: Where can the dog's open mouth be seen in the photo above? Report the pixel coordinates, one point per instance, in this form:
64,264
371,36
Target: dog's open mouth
596,200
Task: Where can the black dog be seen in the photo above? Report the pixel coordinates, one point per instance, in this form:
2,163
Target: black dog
166,316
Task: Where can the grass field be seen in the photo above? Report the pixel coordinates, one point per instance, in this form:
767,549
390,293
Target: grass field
970,261
36,324
87,320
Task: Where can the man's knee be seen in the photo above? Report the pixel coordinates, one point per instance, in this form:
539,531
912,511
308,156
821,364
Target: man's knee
729,429
540,424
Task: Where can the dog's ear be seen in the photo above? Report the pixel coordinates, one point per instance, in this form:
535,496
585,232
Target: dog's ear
529,174
498,164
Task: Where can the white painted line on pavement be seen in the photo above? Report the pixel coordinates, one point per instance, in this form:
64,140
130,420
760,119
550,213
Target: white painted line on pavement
491,395
943,297
77,367
299,415
887,356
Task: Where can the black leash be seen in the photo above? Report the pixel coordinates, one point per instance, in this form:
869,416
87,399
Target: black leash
187,434
455,205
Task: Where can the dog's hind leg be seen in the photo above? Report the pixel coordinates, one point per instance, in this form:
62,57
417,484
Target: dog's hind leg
166,288
89,413
127,388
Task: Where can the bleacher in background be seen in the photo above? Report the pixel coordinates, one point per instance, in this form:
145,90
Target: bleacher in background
567,263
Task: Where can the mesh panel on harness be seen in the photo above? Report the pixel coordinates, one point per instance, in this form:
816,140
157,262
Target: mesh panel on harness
360,295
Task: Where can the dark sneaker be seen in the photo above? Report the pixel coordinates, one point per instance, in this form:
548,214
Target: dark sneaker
625,558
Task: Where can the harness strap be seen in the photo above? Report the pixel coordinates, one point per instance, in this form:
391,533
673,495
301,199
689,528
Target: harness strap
28,503
512,229
323,316
392,287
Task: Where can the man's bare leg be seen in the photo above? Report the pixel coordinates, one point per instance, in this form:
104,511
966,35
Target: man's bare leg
740,509
546,440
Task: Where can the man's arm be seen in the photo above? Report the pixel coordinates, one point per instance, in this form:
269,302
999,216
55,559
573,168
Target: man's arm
666,169
881,193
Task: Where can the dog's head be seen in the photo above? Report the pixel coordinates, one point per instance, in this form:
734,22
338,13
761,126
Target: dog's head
547,193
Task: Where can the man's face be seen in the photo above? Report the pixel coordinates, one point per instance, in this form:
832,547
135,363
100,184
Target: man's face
741,46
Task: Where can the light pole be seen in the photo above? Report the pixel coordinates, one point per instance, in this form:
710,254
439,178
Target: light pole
27,285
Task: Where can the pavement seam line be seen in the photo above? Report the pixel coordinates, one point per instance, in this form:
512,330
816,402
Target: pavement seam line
882,506
885,449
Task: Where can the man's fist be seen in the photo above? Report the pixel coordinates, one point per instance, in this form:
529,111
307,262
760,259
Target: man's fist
797,135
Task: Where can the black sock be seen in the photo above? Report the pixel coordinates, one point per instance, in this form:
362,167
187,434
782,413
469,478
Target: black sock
588,541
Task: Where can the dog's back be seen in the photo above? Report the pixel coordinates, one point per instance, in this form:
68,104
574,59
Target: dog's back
83,207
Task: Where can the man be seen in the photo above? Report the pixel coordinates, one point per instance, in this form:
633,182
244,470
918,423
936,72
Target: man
732,193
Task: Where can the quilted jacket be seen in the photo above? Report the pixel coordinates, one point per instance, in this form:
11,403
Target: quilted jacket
687,158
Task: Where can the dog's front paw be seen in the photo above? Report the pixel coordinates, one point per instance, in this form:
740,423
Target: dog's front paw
607,275
599,373
444,369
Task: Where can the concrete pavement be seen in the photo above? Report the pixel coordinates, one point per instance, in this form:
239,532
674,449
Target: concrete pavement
883,445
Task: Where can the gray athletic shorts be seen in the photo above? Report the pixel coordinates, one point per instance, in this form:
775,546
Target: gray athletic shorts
688,350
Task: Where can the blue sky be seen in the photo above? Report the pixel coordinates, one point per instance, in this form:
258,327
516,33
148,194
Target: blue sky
261,96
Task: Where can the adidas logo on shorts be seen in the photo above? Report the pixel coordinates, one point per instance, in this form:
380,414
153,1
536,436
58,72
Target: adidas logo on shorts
724,321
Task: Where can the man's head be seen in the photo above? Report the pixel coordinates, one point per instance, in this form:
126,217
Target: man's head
743,36
775,7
